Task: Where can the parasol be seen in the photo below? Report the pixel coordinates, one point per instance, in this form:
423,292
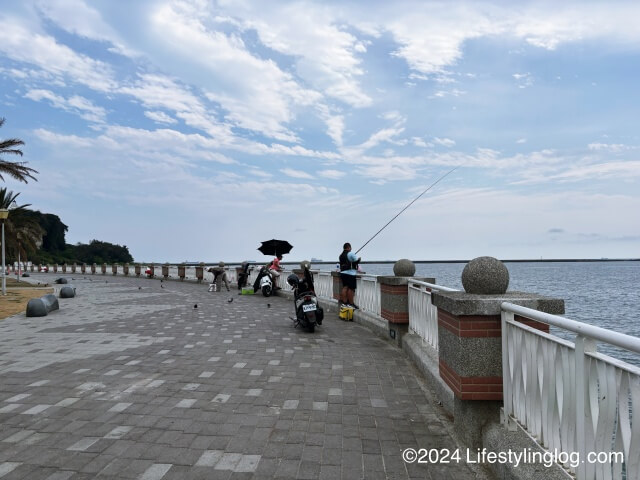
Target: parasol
275,247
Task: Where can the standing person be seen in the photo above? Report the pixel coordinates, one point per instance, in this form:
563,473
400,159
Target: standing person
348,269
274,270
217,272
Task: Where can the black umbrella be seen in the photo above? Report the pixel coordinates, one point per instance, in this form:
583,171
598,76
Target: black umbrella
275,247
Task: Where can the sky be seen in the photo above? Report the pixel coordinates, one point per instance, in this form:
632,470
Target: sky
195,129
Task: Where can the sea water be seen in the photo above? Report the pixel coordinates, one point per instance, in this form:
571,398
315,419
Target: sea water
605,294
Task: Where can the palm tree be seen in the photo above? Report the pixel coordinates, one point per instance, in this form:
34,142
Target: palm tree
17,170
23,233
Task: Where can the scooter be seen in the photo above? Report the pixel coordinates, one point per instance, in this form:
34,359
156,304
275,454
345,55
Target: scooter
243,275
308,312
263,282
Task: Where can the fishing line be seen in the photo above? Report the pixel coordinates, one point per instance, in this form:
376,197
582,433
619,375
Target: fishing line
412,202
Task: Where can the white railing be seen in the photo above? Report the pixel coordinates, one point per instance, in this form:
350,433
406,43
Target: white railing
571,398
367,295
423,315
323,282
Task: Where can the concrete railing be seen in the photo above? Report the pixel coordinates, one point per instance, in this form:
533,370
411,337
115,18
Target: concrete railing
571,398
423,315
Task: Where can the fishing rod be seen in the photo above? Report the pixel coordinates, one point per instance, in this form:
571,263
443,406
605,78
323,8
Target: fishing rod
412,202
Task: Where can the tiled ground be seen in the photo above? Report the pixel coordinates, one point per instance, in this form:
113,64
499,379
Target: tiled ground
131,380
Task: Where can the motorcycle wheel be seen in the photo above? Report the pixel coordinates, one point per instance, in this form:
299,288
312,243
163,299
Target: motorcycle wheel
266,290
311,328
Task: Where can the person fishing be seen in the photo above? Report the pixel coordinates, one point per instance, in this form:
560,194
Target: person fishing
348,269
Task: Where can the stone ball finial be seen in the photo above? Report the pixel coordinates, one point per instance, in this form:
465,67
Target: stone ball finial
305,263
404,268
485,276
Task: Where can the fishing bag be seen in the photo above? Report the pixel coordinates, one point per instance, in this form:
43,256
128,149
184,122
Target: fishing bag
346,313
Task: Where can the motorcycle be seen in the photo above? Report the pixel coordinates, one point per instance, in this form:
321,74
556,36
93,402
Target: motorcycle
243,275
263,282
308,312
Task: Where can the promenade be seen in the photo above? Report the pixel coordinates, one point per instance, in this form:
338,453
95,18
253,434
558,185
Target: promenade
130,380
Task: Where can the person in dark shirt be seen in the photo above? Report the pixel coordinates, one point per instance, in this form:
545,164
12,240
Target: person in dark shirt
348,270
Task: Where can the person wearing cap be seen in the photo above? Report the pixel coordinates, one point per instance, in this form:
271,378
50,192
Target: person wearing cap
219,271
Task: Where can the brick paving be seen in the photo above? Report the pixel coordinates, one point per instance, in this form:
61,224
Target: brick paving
130,380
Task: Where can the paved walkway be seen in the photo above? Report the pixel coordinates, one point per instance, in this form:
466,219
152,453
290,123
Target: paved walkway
131,380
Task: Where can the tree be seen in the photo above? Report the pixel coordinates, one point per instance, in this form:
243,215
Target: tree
22,230
17,170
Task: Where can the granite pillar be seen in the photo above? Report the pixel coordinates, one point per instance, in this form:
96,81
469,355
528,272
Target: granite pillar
470,353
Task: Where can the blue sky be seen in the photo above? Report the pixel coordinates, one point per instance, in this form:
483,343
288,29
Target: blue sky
194,129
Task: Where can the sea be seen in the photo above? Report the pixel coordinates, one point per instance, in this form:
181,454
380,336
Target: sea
601,293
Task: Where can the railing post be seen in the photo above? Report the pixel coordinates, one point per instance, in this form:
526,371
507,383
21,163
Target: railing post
471,344
507,409
200,272
582,346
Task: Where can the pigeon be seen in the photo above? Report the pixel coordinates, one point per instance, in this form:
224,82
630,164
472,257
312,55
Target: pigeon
139,288
161,286
268,305
230,300
195,306
161,280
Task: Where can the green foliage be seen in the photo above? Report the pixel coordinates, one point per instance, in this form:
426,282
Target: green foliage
40,238
17,170
95,252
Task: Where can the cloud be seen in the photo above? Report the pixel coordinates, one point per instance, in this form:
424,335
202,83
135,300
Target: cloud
555,230
255,93
289,172
24,45
76,104
325,54
332,174
445,142
160,117
76,17
159,91
609,147
524,80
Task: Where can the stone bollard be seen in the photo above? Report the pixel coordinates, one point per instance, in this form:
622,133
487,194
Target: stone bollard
151,271
114,268
74,267
104,269
165,270
83,268
394,299
200,272
68,291
64,268
55,268
470,342
182,272
40,307
32,267
138,269
125,269
93,268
